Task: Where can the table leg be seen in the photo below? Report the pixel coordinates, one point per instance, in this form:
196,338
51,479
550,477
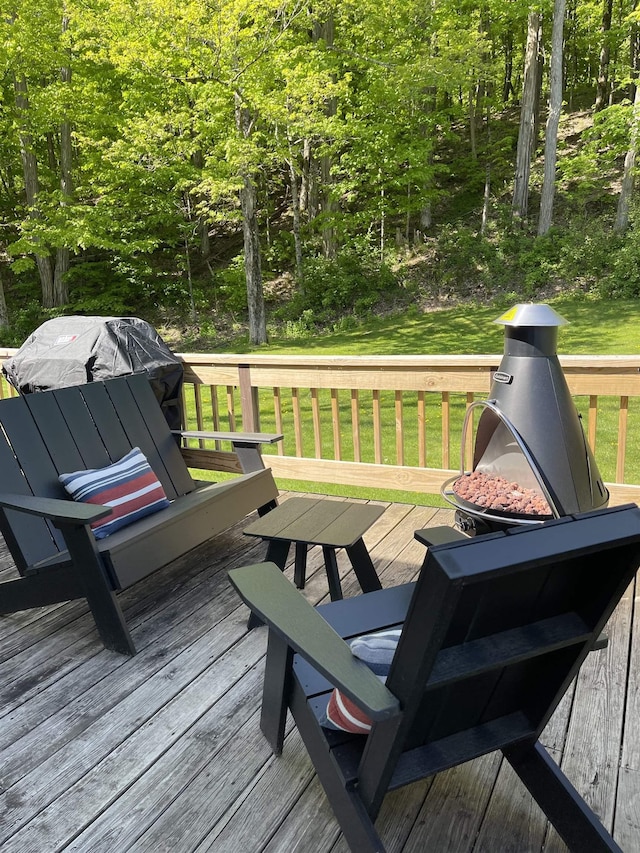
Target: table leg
363,567
333,578
300,566
277,552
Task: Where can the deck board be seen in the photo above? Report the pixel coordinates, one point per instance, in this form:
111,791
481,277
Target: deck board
163,751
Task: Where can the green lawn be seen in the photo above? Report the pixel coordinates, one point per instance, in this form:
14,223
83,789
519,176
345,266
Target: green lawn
596,327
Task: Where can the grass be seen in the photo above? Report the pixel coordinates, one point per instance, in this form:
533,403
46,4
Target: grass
596,327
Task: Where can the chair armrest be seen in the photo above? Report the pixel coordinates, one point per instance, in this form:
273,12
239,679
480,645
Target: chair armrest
440,535
234,437
60,512
245,444
269,594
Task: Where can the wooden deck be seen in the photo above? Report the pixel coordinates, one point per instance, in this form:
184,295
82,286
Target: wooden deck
162,752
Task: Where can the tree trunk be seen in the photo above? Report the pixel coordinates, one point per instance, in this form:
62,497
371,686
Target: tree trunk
553,119
203,226
602,94
295,208
527,121
309,182
507,84
472,123
486,200
253,268
62,261
4,314
251,234
626,191
325,30
31,187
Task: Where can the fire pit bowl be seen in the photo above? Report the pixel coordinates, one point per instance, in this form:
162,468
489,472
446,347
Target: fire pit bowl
495,495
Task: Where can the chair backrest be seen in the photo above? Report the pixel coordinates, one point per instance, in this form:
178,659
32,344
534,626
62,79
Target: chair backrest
69,429
497,629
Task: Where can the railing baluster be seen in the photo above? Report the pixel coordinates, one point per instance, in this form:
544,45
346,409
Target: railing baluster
355,424
399,429
199,421
592,421
183,408
422,430
622,438
231,410
277,408
446,428
377,428
297,420
215,412
468,448
335,420
315,414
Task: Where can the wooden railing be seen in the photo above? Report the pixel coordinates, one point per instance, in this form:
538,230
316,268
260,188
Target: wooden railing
391,422
396,421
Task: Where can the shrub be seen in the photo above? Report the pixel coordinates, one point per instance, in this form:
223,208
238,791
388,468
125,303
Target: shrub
353,282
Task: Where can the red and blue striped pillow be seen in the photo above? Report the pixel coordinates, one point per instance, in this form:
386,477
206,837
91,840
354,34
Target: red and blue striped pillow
377,651
128,486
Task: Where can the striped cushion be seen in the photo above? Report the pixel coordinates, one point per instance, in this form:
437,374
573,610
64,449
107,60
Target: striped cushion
129,487
377,651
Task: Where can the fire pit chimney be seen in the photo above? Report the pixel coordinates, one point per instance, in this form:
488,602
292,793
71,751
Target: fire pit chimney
531,330
531,460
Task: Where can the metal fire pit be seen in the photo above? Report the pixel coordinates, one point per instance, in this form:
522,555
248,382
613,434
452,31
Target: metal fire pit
531,460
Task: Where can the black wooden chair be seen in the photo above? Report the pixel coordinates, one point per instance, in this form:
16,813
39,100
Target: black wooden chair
494,630
90,426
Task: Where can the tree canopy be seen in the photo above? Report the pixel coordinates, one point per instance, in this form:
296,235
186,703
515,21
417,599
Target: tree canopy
179,134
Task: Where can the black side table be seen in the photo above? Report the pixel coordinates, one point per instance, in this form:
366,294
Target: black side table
318,521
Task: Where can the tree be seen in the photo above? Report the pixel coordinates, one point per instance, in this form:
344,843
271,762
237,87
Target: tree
528,109
602,94
553,119
626,190
251,233
43,71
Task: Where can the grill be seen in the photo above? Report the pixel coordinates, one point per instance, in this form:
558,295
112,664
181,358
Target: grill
531,460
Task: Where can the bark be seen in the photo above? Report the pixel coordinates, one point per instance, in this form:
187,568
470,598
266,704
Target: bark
62,261
325,30
251,235
426,217
309,182
4,314
197,159
486,199
553,119
626,191
526,135
472,123
295,207
253,268
634,54
507,84
602,94
32,186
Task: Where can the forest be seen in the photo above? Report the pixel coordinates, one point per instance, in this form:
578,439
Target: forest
228,166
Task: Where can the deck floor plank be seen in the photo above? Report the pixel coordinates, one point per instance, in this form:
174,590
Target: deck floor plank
591,755
163,751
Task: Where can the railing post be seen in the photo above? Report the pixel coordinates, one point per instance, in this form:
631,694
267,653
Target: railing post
249,403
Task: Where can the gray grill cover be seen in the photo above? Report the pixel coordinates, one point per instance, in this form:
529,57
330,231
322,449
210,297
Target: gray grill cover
74,350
